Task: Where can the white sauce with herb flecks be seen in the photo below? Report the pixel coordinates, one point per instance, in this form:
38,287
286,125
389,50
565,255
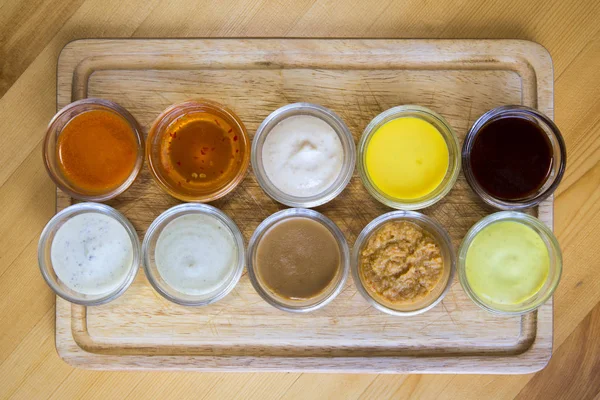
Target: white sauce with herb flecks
91,253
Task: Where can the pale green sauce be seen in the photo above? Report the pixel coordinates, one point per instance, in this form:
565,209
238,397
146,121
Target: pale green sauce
507,263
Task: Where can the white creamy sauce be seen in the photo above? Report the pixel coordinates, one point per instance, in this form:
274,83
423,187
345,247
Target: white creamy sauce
195,254
91,253
302,155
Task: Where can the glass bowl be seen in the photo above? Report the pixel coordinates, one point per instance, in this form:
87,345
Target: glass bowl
441,237
453,157
150,267
554,254
332,120
45,261
55,127
557,143
306,305
160,128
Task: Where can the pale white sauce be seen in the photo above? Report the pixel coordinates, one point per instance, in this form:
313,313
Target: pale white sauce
195,254
91,253
302,155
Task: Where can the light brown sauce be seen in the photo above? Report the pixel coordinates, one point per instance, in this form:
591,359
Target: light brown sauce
297,258
401,263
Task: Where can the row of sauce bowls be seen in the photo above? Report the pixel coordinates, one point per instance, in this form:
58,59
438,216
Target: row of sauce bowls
253,152
349,259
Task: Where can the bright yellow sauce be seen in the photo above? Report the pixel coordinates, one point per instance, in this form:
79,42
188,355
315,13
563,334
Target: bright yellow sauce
507,263
407,158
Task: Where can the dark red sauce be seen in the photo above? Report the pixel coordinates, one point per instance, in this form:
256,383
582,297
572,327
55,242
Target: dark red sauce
511,158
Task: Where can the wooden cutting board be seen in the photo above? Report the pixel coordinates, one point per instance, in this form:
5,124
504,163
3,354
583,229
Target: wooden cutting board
460,79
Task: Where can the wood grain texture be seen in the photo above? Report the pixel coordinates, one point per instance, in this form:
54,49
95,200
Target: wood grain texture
357,79
573,378
32,34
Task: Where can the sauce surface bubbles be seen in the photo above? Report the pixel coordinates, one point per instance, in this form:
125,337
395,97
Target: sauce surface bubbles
195,254
302,155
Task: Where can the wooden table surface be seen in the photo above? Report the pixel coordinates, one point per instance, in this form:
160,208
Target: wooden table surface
32,33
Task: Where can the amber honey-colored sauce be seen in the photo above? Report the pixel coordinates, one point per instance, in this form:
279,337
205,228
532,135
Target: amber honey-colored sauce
97,151
200,152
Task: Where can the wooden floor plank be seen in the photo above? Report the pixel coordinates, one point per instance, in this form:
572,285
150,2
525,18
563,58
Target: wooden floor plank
384,387
577,111
23,363
328,386
29,34
44,380
26,189
267,386
574,372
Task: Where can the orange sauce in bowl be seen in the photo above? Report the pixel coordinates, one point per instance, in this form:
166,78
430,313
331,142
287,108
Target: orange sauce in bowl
97,151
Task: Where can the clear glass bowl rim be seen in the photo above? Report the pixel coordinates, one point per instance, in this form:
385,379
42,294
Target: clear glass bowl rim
158,225
528,220
453,149
185,107
499,112
347,144
405,215
290,213
114,107
64,215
